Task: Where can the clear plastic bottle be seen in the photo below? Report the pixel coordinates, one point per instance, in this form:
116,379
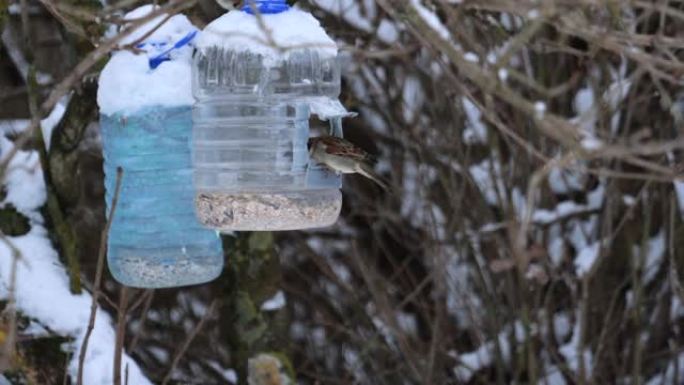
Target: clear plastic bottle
251,120
155,239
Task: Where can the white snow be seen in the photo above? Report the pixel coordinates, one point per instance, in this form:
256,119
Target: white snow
407,322
654,256
24,181
591,143
353,362
503,74
275,39
47,125
554,376
584,104
617,91
471,57
13,126
580,231
564,181
586,258
431,18
413,98
388,32
274,303
475,131
488,184
14,9
588,109
539,109
161,355
127,83
674,370
676,308
556,245
508,21
561,326
318,336
679,191
519,203
376,121
584,100
596,197
326,108
231,376
465,308
350,11
482,357
628,200
42,286
50,122
574,356
298,331
562,209
360,18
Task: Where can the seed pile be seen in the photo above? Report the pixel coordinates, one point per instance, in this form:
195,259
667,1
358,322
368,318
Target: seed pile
146,271
279,211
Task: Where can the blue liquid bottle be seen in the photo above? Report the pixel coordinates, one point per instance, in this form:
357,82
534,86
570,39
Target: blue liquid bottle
155,240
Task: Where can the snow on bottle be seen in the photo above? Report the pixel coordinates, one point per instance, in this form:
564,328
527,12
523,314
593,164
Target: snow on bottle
145,105
258,74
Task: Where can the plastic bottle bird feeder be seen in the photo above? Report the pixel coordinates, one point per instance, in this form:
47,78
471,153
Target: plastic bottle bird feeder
145,104
258,74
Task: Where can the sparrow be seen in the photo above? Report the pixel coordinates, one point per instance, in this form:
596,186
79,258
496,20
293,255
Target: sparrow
342,156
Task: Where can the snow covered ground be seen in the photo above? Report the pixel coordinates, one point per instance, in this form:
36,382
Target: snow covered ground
42,284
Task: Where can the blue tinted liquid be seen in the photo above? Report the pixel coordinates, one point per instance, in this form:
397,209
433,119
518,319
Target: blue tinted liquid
155,239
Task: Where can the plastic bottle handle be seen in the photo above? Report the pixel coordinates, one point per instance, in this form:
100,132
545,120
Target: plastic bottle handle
265,6
155,61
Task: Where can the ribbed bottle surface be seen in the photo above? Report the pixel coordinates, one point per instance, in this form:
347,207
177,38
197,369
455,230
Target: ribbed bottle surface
155,239
250,129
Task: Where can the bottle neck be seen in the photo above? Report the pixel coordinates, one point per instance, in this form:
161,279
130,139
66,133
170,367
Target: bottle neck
265,6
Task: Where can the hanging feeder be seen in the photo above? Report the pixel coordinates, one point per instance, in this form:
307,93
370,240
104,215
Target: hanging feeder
258,75
145,105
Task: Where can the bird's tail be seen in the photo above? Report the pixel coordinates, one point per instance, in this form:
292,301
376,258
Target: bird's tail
368,172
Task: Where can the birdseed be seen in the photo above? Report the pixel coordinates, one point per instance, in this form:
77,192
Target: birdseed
147,272
260,212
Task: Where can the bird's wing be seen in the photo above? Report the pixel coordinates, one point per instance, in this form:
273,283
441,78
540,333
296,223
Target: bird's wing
341,147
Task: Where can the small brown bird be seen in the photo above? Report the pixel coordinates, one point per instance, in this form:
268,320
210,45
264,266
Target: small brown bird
342,156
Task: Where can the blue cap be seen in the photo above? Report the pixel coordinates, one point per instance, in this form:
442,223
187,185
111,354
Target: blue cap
265,6
163,56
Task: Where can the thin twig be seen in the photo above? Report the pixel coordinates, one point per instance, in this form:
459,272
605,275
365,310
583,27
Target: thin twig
186,344
141,299
143,318
98,277
69,24
120,333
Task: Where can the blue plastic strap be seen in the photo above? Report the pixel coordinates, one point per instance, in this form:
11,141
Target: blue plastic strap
156,60
265,6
